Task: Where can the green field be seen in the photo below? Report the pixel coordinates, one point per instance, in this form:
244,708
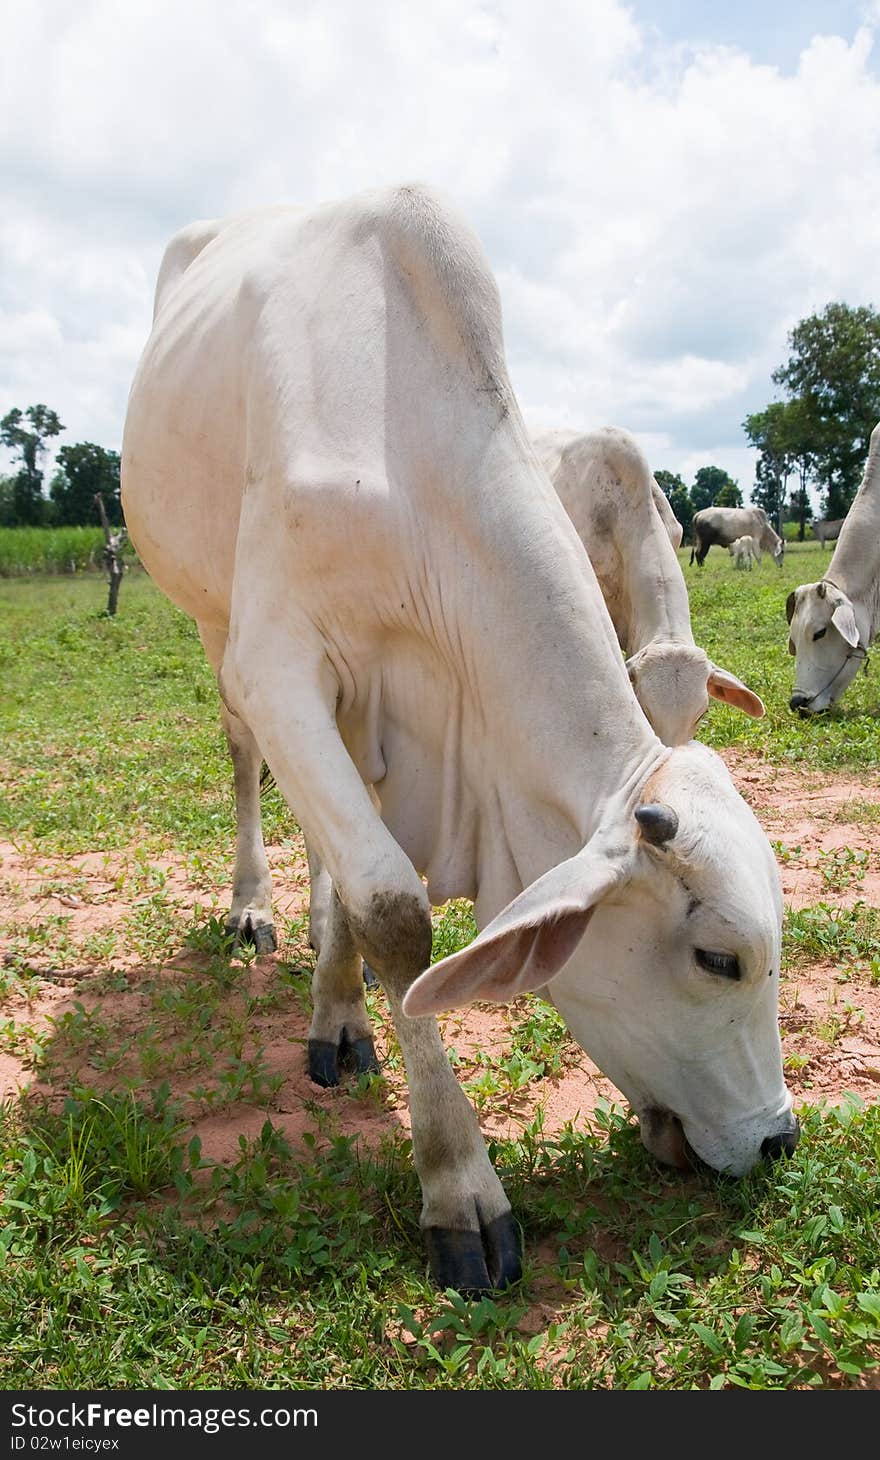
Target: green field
29,550
130,1260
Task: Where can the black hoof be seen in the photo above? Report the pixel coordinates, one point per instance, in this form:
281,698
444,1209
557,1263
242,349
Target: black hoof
323,1063
329,1062
476,1262
370,979
262,935
358,1056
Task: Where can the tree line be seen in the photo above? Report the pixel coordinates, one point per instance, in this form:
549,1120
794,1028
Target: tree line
82,470
816,436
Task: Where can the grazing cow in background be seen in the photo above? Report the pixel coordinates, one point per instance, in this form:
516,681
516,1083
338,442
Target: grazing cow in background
828,529
606,487
743,552
325,465
723,525
832,623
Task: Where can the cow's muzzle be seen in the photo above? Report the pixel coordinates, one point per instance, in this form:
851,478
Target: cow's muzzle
783,1143
663,1136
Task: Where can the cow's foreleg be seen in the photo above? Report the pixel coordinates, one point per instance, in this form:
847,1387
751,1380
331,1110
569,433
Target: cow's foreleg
472,1239
340,1038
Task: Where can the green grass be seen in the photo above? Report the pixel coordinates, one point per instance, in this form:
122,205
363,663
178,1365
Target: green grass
846,936
130,1261
295,1271
109,727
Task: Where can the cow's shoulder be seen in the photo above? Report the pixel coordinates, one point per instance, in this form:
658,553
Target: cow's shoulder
446,272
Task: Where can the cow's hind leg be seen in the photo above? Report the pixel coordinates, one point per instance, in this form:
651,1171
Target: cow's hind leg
340,1038
250,916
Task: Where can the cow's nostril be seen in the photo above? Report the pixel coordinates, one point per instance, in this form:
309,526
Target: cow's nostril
798,701
782,1144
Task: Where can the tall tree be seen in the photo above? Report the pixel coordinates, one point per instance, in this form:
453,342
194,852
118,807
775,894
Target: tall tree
84,471
7,501
28,442
768,432
799,442
708,482
668,481
834,370
730,495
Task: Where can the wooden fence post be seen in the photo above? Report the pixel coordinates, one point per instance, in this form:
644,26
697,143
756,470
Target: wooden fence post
113,542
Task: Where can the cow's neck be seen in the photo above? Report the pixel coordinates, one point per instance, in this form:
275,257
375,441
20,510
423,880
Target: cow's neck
543,733
853,565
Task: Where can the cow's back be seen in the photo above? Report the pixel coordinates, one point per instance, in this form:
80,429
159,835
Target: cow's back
184,446
335,348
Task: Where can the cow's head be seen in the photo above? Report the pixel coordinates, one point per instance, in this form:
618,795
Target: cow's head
659,943
673,684
825,638
779,551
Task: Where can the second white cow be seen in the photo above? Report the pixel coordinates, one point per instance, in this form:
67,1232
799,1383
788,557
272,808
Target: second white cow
606,486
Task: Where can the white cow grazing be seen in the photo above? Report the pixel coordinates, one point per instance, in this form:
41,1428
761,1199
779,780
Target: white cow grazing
606,487
832,623
744,552
324,463
723,525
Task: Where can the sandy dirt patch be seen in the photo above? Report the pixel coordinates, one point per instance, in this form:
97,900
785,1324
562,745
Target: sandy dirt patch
101,1010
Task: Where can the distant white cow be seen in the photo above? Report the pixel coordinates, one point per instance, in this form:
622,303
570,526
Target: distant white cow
723,525
743,552
606,487
832,623
325,465
827,529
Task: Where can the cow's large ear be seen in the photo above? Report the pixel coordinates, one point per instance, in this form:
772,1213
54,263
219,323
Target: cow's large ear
844,620
726,687
529,941
789,606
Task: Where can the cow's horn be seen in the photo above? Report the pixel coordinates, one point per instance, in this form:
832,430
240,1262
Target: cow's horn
659,823
820,589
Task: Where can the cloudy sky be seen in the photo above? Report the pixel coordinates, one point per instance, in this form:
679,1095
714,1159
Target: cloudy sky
664,187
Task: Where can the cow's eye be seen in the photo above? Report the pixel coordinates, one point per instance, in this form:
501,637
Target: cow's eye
819,634
725,964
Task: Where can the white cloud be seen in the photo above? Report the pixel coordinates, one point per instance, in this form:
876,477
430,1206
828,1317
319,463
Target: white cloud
658,217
